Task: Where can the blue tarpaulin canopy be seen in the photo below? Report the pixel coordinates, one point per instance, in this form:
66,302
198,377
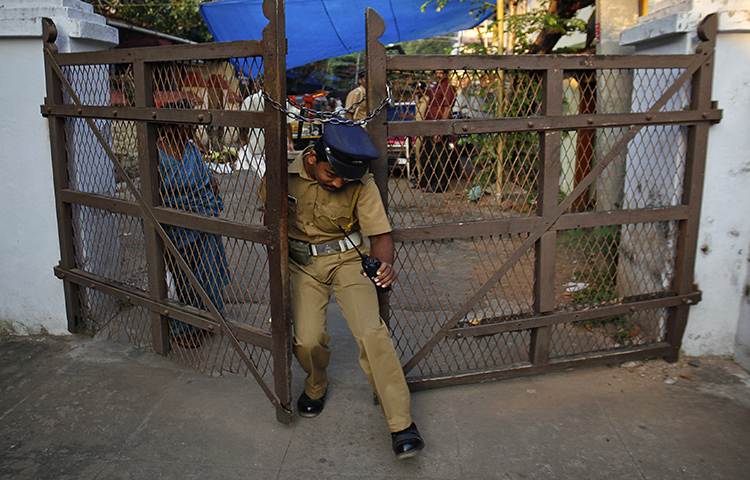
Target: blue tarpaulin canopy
320,29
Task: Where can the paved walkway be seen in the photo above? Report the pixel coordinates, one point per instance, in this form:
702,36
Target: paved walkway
81,408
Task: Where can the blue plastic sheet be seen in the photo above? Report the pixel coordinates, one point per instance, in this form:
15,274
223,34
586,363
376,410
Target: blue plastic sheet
320,29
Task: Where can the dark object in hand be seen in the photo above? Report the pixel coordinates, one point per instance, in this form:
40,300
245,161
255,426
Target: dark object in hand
370,266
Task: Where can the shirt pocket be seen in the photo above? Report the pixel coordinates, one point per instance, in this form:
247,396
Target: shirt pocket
331,216
292,214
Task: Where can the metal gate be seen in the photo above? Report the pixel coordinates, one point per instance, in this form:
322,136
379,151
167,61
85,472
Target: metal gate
560,231
558,218
145,248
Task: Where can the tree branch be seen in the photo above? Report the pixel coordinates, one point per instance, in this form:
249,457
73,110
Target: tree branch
565,9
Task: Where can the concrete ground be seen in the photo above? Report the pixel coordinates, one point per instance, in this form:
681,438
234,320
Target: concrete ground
81,408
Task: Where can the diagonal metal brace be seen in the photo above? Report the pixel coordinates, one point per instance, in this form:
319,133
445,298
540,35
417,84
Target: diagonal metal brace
697,63
148,214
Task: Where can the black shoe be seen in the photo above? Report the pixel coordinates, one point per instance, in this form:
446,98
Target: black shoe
310,407
408,442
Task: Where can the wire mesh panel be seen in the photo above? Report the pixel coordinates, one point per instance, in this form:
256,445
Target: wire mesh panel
539,204
494,168
158,155
436,277
213,171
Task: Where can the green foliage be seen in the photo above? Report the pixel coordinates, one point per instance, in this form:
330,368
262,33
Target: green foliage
600,286
344,69
180,18
441,45
523,27
479,10
599,242
517,152
486,145
619,327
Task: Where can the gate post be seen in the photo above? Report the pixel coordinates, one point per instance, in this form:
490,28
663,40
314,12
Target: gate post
549,172
61,181
274,62
692,196
375,71
149,169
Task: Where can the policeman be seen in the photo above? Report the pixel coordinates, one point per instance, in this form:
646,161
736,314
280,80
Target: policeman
356,97
330,190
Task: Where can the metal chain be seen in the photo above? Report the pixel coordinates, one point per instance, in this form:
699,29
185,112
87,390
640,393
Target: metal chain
325,117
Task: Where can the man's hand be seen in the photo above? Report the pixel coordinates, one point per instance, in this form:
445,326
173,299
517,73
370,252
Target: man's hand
386,275
382,248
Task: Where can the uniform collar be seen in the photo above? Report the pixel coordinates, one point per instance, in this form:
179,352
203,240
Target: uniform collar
297,166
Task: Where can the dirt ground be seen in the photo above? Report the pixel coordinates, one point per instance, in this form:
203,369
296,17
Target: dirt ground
724,377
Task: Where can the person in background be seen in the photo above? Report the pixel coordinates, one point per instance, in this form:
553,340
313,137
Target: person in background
335,106
252,153
253,140
289,119
435,148
188,185
484,99
462,107
357,97
421,102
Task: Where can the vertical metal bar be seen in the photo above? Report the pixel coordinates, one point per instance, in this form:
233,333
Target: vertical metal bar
695,164
76,323
376,85
375,68
376,92
149,170
549,171
274,62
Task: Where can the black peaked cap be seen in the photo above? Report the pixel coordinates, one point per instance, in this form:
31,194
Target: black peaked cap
349,150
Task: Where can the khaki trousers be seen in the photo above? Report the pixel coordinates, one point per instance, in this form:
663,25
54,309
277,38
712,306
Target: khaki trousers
310,294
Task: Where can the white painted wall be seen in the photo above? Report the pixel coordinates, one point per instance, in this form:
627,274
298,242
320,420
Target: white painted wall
31,297
721,269
720,324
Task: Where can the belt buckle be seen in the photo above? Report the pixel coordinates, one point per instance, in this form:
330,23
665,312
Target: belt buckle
327,248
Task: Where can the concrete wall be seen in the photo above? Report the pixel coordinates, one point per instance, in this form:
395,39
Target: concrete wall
724,239
31,297
613,96
719,325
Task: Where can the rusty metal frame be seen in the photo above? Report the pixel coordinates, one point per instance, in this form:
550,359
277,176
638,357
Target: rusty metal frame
551,217
540,230
272,48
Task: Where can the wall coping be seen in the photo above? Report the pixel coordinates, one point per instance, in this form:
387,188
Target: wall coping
74,19
730,21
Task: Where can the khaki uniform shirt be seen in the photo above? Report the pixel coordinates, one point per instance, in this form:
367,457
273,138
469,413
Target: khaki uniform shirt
353,97
314,213
421,107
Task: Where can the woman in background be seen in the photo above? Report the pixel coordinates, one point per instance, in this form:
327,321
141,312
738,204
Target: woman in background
188,185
